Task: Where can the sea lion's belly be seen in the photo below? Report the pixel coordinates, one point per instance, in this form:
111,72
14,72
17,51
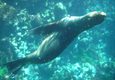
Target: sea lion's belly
51,47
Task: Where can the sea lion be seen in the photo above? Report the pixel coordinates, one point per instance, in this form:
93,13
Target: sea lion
58,36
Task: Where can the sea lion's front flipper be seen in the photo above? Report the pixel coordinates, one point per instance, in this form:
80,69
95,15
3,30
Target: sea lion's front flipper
47,29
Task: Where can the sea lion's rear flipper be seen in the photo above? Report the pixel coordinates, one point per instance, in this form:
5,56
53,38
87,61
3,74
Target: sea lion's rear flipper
47,29
14,66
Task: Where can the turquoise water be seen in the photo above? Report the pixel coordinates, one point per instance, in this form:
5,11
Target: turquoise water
90,57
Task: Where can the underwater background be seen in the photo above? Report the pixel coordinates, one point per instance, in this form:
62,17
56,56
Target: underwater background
90,57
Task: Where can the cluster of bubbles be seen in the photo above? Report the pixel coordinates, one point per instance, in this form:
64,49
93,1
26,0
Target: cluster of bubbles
18,40
77,71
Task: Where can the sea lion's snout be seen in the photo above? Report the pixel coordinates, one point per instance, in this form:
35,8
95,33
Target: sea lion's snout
103,14
97,14
100,17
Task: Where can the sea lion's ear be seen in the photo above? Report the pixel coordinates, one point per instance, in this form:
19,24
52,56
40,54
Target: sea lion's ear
47,29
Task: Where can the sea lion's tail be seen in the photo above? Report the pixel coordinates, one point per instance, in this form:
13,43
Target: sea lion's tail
14,66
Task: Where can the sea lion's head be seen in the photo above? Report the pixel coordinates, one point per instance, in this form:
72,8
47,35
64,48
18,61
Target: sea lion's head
96,17
91,19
